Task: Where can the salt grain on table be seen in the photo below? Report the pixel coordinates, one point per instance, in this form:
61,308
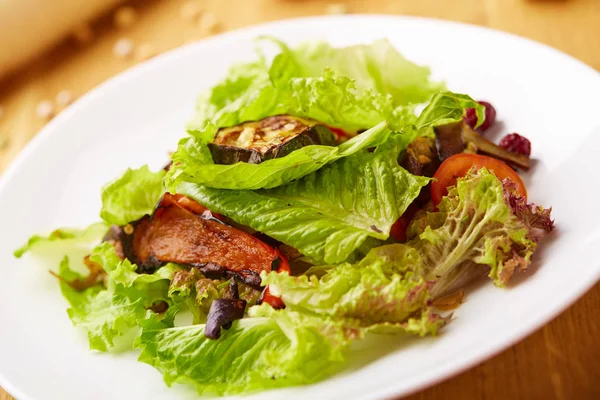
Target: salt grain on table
44,109
123,48
64,98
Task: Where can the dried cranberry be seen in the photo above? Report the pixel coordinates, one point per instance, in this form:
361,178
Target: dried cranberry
490,116
516,143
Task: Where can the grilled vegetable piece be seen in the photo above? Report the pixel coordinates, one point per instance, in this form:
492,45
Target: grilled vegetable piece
452,139
182,233
272,137
420,157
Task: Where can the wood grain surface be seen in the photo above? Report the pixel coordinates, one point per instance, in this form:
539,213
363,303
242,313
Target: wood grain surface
559,361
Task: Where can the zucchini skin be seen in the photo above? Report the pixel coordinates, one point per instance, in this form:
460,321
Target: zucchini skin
312,133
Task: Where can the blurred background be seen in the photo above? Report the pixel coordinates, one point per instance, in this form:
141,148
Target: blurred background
52,52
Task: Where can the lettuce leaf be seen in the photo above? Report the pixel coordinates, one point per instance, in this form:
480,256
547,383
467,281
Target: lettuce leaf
131,196
377,66
115,310
192,162
326,215
268,349
104,314
351,88
386,286
313,87
63,240
197,292
477,227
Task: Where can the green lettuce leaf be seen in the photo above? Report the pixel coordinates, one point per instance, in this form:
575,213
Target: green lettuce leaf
104,314
386,286
327,215
197,292
268,350
320,82
301,86
193,163
377,66
447,108
63,240
131,196
475,227
107,313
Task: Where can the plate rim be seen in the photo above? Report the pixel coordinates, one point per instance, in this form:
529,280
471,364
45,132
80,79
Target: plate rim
441,372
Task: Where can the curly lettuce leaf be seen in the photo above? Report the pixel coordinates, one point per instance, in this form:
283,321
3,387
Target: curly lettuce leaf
351,88
64,240
104,314
377,66
107,313
196,292
474,227
131,196
386,286
326,215
193,163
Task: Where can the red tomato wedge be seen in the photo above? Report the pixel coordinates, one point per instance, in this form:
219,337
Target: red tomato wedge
458,165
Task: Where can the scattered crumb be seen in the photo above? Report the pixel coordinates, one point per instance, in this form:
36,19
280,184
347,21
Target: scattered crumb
124,17
336,9
83,33
45,109
209,23
64,98
123,48
144,52
191,11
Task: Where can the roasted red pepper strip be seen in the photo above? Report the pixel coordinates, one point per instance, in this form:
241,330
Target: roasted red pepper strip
266,296
175,233
398,231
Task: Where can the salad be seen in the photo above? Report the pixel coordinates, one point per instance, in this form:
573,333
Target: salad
311,205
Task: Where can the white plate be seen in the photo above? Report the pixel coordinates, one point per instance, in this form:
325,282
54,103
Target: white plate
138,116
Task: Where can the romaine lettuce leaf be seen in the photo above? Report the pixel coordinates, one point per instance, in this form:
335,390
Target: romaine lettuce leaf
267,350
192,162
131,196
326,215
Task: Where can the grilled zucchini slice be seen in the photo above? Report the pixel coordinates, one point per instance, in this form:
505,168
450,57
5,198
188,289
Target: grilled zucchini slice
272,137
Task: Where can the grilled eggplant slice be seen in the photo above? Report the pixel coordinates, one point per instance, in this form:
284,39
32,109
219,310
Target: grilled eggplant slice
272,137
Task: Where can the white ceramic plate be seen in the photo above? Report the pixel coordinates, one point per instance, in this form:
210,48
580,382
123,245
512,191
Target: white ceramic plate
138,116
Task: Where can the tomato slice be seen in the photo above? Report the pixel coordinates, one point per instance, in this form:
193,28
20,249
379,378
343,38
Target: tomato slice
458,165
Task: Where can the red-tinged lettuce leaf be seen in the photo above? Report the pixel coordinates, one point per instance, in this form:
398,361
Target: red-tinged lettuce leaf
479,225
536,218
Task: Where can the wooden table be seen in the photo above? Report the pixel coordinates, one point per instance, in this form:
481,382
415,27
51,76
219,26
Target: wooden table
560,361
